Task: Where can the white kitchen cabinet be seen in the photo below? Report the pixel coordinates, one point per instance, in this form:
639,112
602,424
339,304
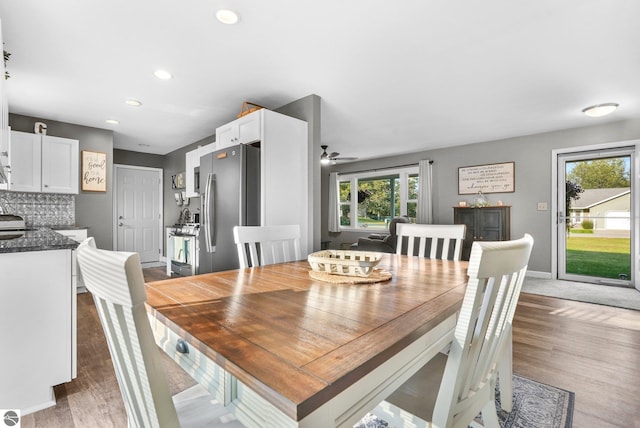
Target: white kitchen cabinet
43,163
192,162
25,160
244,130
37,327
77,235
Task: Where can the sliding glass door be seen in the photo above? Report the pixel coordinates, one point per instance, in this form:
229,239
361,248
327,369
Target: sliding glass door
595,215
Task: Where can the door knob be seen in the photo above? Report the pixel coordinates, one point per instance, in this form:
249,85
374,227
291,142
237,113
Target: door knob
120,217
120,224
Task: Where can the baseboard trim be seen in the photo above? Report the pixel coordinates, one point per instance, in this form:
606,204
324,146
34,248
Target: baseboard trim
538,274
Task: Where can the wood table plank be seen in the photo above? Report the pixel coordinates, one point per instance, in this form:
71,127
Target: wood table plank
297,341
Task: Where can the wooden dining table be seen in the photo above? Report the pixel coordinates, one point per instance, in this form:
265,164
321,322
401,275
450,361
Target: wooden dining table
281,349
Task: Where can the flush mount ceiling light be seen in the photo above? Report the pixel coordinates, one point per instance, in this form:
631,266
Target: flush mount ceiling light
112,121
162,74
133,103
227,16
600,110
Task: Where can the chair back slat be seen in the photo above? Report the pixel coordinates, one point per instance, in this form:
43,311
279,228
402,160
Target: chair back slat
435,241
496,272
116,282
265,245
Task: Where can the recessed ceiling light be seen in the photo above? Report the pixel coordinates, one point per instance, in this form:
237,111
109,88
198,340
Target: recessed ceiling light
162,74
133,103
112,121
600,110
227,16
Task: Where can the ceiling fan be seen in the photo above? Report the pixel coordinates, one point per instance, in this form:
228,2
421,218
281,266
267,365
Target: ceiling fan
326,158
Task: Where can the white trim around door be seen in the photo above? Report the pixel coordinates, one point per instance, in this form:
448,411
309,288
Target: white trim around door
635,202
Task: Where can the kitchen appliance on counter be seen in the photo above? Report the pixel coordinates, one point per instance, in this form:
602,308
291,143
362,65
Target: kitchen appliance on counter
182,249
11,226
11,222
230,196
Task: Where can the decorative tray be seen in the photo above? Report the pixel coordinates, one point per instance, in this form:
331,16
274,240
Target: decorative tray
344,262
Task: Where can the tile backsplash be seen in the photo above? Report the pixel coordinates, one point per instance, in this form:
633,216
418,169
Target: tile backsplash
40,209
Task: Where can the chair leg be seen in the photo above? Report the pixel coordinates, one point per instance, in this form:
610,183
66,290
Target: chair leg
490,416
505,369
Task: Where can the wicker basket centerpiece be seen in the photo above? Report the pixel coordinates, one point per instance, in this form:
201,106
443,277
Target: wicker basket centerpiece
343,262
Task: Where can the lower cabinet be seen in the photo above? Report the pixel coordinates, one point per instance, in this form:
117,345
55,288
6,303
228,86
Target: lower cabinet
483,224
37,327
77,235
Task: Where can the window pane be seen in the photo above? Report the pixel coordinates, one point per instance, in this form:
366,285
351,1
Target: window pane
345,190
413,186
411,211
377,201
345,215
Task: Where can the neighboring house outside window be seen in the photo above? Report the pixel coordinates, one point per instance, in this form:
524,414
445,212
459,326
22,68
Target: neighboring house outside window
606,208
369,200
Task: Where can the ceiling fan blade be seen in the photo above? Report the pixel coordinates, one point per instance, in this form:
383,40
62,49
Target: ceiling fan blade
345,158
334,155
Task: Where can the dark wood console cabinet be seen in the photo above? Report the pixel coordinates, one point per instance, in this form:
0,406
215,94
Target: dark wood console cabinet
483,224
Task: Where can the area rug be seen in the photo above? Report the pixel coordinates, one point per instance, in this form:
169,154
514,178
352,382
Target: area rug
620,297
535,405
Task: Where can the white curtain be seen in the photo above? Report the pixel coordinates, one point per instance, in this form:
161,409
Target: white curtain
334,203
425,192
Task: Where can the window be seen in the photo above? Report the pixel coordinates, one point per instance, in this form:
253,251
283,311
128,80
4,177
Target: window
378,197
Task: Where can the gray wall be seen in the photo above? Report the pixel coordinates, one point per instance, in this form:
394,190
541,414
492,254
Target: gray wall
532,156
128,157
93,209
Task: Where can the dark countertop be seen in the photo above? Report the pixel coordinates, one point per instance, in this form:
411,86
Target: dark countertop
41,239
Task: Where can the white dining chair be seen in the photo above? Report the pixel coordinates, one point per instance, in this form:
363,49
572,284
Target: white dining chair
452,390
434,241
266,245
116,282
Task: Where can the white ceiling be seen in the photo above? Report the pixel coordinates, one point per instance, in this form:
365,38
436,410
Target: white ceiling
394,77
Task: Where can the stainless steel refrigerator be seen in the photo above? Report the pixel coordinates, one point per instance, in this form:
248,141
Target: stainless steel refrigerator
229,196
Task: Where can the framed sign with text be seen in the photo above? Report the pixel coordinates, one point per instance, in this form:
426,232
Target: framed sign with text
94,171
493,178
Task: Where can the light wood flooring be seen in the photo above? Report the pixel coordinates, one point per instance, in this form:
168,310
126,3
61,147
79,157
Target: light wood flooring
589,349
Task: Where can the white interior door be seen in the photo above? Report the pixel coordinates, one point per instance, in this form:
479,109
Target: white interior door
137,211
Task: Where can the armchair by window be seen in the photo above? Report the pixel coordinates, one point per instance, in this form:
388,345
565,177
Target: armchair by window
379,242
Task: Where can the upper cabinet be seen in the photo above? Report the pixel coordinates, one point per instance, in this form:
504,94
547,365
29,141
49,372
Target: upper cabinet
192,163
244,130
42,163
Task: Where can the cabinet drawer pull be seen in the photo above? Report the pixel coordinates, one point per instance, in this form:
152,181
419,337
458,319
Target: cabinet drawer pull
182,347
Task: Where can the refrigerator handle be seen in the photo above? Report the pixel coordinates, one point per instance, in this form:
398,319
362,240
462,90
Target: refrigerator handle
209,214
